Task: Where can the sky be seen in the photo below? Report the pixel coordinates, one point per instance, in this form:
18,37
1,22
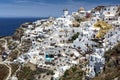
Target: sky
46,8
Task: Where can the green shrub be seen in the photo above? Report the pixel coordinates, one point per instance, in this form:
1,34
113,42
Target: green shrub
74,37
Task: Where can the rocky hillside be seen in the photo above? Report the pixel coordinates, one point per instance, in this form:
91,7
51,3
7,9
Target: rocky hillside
112,67
78,46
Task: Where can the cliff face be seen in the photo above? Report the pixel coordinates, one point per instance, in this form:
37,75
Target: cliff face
111,70
4,71
2,48
18,34
112,67
13,46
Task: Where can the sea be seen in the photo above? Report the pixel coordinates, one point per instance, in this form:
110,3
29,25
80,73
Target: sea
9,25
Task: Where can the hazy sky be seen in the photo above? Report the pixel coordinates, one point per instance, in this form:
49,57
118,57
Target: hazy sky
45,8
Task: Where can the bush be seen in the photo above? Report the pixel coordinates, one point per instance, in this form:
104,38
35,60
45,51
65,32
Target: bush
66,73
50,72
74,73
74,37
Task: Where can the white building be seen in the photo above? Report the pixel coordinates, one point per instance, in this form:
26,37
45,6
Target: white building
82,12
109,11
66,12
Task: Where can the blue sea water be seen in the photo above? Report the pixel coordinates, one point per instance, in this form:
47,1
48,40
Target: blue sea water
9,25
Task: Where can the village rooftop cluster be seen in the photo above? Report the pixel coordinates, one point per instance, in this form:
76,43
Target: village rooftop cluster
55,48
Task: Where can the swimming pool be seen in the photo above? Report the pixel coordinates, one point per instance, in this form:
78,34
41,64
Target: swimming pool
47,57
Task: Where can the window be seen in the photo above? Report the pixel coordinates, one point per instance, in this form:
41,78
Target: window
74,45
108,12
113,8
98,20
108,9
105,9
92,59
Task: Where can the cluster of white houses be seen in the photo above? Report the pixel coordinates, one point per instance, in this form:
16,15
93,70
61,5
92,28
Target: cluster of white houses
51,49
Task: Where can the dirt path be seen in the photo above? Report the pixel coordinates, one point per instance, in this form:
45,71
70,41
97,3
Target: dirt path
9,75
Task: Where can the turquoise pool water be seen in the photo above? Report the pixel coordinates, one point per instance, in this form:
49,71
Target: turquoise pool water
48,58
